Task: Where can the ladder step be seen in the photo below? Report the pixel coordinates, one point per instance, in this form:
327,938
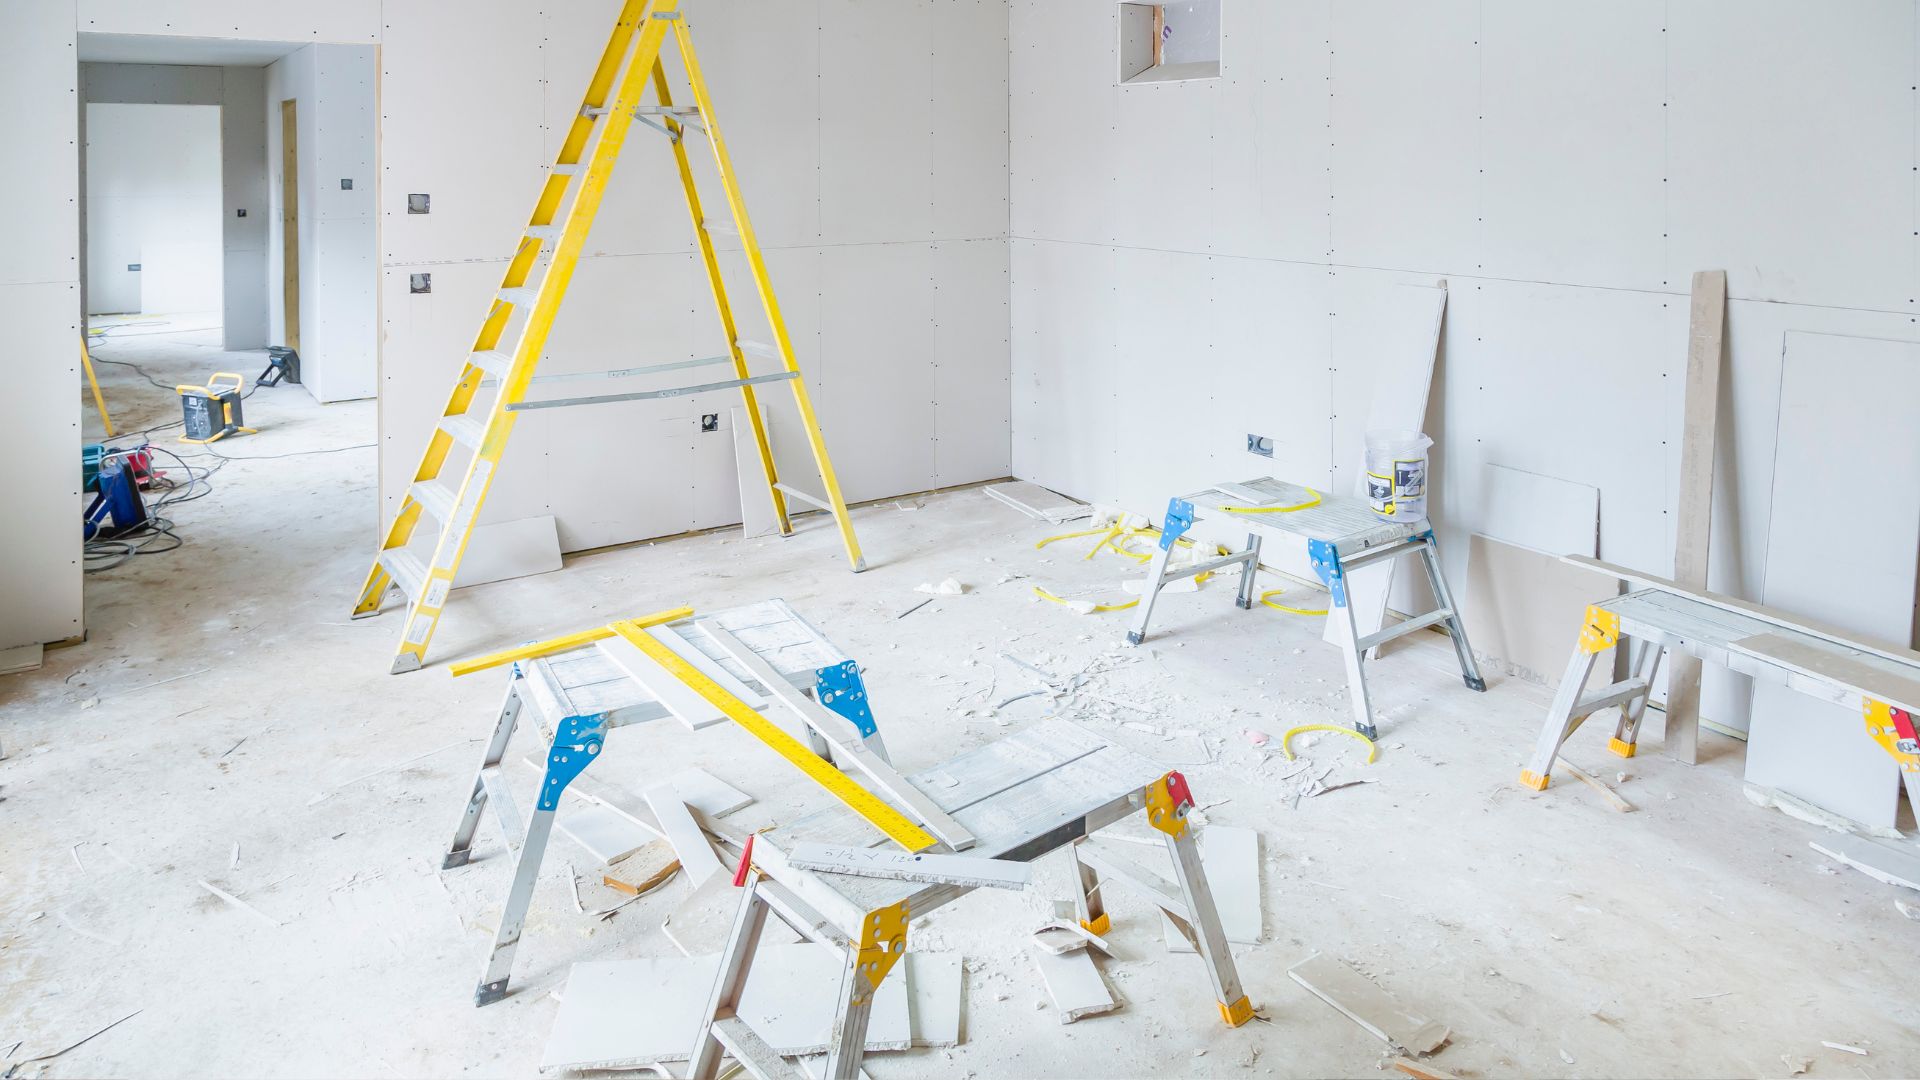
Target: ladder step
666,110
437,498
465,430
753,1053
568,168
544,232
406,569
505,810
522,296
757,348
719,227
495,362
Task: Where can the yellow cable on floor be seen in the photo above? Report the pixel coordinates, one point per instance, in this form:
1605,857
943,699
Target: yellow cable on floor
1315,501
1102,542
1068,536
1045,595
1372,750
1285,608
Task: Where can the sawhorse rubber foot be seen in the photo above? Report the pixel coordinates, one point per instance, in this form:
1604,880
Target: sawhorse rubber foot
1372,733
1244,605
1534,780
1475,682
1134,638
1236,1013
489,993
457,858
1624,749
1098,927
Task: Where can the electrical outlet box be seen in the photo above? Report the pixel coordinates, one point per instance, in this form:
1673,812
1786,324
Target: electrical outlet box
1260,444
710,421
133,266
419,283
346,184
419,204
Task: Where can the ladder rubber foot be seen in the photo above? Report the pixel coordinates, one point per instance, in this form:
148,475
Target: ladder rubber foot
1098,927
457,858
368,614
1624,749
1236,1013
489,993
1135,638
1475,682
404,663
1244,604
1534,780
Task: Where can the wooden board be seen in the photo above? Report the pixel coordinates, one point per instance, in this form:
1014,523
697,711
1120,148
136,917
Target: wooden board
1850,671
1843,545
290,220
1523,610
1706,326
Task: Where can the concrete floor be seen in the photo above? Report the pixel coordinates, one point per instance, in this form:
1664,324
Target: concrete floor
1698,936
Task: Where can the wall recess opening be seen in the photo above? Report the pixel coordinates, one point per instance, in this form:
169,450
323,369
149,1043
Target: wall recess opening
1169,42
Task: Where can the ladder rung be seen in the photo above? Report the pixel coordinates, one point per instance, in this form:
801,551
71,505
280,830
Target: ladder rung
544,232
495,362
747,1047
523,296
465,430
666,110
757,348
505,810
649,395
719,226
436,497
568,168
406,569
796,493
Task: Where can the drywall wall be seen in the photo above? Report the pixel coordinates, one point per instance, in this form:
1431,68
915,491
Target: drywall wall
333,88
1564,175
153,208
871,141
239,94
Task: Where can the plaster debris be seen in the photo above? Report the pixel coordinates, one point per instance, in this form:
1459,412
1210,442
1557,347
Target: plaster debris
1795,1065
947,587
1911,911
1844,1047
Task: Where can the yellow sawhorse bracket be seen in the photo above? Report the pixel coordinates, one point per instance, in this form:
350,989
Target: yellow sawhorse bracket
514,334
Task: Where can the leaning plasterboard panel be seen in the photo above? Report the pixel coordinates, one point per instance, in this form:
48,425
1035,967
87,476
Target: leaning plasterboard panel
345,21
1405,90
876,161
971,373
1155,377
1846,441
38,80
1754,131
40,415
510,549
1523,609
1544,513
1064,318
1165,136
969,120
600,506
477,154
1571,116
1382,346
1267,163
1063,110
876,346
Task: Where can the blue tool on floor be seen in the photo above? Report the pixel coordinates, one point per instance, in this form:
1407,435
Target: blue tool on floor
117,502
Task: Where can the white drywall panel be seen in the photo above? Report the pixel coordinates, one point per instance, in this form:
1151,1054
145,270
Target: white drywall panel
1270,141
1405,101
972,365
40,417
969,120
762,66
1791,149
876,347
1846,441
1065,312
1163,169
243,155
344,364
1544,513
1062,110
340,20
473,143
1269,374
153,196
151,84
1155,382
38,81
876,146
1381,328
1571,143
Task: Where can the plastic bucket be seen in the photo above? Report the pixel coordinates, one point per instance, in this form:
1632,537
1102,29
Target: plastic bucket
1397,473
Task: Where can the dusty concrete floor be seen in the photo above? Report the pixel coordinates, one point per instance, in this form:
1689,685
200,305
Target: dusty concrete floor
1698,936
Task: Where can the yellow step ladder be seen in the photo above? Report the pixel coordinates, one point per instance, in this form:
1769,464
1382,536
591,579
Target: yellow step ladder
508,349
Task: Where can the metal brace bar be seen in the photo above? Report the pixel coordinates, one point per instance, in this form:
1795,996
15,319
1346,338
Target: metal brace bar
804,497
1398,630
649,395
1209,566
621,373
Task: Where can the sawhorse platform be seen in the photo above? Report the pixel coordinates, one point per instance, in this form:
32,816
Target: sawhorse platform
1883,684
582,686
1047,787
1338,534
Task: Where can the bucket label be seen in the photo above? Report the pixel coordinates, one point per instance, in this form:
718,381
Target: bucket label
1410,477
1380,493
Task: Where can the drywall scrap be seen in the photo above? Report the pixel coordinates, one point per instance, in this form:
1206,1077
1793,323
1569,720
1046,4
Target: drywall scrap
1359,1000
933,868
1231,858
1074,983
1037,502
1881,862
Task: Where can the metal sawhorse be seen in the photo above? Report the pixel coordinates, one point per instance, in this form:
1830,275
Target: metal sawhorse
584,685
1339,534
1044,788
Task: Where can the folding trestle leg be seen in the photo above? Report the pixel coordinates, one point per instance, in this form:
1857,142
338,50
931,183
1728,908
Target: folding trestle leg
1088,907
462,847
1646,662
575,745
1178,520
1443,596
1599,632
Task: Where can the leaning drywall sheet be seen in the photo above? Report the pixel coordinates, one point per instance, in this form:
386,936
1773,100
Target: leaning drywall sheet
1848,452
1544,513
1754,132
1523,610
